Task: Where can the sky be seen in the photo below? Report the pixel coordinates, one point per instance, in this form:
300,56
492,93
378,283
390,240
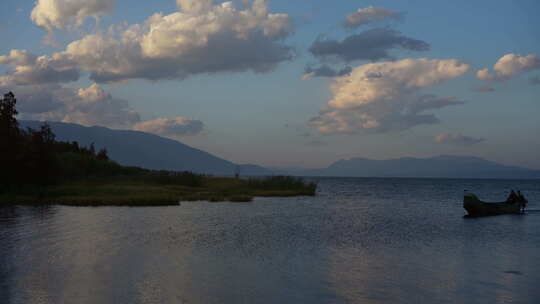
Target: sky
286,83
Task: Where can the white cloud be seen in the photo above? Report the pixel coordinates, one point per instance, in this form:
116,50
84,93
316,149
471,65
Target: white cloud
508,66
387,96
30,69
369,15
194,6
201,38
34,100
93,106
172,127
65,14
457,139
86,106
18,57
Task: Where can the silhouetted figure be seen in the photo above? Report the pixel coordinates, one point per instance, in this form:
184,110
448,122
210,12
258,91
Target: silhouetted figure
512,198
522,201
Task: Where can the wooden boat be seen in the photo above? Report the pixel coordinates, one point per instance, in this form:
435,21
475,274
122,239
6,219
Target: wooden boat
476,207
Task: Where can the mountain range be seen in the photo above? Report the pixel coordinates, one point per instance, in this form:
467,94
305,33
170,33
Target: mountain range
135,148
444,166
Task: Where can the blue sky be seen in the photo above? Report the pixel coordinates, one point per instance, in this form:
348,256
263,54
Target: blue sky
264,117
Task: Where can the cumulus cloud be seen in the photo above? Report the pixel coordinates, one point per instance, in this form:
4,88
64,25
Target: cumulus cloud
374,44
386,96
86,106
457,139
483,89
325,71
31,69
18,57
202,37
93,106
171,127
369,15
508,66
65,14
194,6
34,100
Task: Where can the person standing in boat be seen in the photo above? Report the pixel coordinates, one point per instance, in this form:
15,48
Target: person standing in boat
522,201
512,198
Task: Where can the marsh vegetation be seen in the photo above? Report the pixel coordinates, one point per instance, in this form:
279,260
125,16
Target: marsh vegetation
156,189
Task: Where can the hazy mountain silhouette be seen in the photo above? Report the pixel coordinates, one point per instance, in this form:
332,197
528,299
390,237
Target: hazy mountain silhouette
444,166
134,148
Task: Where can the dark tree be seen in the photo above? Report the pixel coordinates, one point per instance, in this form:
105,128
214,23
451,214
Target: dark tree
46,134
33,159
102,154
8,122
41,164
92,149
10,140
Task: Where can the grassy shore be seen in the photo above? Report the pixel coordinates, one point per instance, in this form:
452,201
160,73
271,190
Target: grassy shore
157,190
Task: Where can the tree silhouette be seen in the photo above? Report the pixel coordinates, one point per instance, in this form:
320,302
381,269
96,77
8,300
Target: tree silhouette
8,122
31,159
92,149
41,160
102,154
10,139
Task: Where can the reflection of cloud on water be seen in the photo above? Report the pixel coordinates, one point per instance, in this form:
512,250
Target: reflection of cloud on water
16,233
64,259
200,253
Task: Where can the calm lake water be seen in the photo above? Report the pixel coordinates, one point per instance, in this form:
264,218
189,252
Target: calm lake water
358,241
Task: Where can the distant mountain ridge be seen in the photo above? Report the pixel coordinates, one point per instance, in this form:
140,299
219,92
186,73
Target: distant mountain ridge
135,148
443,166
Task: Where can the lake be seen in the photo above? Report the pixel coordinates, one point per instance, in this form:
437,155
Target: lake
358,241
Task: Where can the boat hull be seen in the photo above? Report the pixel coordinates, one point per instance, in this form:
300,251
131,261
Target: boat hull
476,207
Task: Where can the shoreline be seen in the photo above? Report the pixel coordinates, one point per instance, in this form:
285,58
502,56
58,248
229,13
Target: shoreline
133,193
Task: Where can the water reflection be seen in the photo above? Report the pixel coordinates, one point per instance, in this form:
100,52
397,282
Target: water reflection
13,234
367,240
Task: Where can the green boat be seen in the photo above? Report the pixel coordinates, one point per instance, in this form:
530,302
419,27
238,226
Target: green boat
476,207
